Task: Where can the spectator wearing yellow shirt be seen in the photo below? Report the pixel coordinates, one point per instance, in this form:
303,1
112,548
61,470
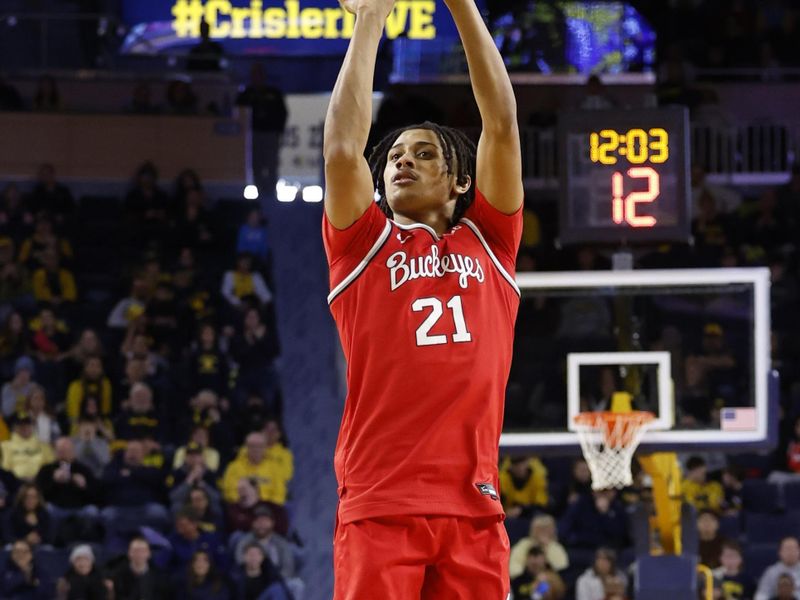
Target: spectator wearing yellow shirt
53,284
43,238
24,454
697,490
92,384
270,466
523,485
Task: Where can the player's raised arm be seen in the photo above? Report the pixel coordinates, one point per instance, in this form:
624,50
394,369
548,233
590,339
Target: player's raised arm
499,159
349,187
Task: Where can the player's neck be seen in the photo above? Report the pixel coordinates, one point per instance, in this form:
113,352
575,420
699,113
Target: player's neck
437,221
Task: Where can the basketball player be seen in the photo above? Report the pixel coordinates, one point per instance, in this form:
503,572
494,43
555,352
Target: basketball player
423,294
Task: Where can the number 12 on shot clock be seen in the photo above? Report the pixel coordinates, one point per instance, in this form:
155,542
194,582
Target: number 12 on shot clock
623,208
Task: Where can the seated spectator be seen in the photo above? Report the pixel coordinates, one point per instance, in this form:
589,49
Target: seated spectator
614,588
188,538
724,198
202,580
543,534
139,419
209,514
142,101
786,588
269,469
788,564
16,217
732,487
161,317
733,582
138,346
241,514
523,485
711,541
254,349
194,226
29,519
46,98
207,411
129,309
252,238
92,383
134,492
74,360
187,180
595,520
51,199
538,580
24,454
181,99
697,490
83,580
16,289
72,491
45,426
15,393
258,579
199,436
207,365
43,238
137,579
50,340
275,546
22,579
53,284
242,287
193,474
91,449
14,344
591,584
147,206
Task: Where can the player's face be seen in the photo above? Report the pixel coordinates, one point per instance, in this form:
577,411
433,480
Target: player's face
416,178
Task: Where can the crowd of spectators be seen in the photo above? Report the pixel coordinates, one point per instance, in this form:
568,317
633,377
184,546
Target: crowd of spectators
144,444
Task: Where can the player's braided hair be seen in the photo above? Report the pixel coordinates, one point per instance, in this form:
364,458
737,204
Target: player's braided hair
455,144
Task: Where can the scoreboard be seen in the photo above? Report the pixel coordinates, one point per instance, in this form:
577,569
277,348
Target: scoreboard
624,175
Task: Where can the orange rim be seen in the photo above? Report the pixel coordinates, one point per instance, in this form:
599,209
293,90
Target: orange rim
618,428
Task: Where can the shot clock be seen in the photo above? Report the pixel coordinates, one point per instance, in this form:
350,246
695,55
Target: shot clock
624,175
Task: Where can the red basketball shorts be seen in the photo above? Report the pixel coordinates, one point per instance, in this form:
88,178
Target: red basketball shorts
421,558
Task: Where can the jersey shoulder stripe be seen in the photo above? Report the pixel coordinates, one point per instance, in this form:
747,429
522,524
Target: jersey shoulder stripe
479,235
353,275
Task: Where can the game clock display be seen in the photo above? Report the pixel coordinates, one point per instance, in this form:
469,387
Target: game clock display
624,175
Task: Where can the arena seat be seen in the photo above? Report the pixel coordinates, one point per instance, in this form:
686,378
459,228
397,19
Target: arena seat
757,557
769,528
759,496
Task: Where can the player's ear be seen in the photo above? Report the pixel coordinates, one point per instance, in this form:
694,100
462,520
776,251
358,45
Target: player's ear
462,185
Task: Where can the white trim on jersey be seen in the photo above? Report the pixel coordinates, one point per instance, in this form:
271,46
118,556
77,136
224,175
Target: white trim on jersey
496,262
363,264
427,228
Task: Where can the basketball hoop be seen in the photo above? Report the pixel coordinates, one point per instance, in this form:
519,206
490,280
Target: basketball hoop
608,441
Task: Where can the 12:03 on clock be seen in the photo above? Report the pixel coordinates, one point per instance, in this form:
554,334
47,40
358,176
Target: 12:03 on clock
624,176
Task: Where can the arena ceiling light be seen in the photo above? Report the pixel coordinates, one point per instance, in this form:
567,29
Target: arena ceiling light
312,193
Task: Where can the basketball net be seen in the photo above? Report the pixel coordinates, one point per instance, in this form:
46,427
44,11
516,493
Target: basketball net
609,439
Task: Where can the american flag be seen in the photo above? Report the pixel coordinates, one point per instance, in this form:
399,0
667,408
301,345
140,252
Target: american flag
738,419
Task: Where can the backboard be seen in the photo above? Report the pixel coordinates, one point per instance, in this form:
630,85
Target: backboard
692,346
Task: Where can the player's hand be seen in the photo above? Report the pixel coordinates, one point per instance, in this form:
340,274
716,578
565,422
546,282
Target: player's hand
380,7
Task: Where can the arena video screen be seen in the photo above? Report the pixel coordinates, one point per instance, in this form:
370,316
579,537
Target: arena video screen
555,36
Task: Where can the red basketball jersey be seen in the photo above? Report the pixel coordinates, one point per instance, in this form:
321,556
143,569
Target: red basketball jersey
427,327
